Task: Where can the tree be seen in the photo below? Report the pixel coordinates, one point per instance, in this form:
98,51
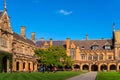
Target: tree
55,56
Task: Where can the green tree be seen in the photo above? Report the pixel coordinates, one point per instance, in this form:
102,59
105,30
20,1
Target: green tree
55,56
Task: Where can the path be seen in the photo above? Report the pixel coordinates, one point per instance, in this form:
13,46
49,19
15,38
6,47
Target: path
87,76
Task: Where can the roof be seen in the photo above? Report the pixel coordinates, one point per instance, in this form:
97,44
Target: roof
19,37
87,44
55,43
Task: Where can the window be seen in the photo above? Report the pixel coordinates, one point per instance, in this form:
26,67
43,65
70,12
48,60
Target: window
109,56
3,42
95,47
72,53
82,56
21,50
82,47
101,57
107,47
95,57
89,57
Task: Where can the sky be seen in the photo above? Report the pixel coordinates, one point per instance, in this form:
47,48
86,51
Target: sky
61,19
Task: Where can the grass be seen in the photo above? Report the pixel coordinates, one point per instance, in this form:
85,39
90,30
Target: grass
108,76
38,76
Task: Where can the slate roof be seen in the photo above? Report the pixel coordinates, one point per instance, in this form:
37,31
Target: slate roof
19,37
87,44
55,43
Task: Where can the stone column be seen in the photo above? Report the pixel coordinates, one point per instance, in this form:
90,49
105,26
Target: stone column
8,65
117,67
99,67
89,67
81,67
108,67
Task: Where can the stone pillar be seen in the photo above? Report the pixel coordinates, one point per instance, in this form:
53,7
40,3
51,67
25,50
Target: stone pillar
117,67
108,67
35,67
99,67
81,67
8,65
89,67
20,66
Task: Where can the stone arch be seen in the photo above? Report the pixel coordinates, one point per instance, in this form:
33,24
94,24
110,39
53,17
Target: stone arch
85,67
76,66
94,67
29,64
112,67
103,67
5,64
17,66
24,64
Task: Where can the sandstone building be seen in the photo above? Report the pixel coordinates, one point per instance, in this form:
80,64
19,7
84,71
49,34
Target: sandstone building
18,46
16,51
91,55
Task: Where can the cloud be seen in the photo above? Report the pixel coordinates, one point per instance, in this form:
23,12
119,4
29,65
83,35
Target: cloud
64,12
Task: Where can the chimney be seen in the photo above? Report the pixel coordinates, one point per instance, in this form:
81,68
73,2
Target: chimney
51,42
23,31
86,37
41,39
33,36
67,43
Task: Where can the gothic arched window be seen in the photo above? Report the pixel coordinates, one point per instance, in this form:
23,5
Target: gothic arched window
89,57
101,57
95,57
72,53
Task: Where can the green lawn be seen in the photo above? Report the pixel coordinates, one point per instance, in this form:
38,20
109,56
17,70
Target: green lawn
38,76
108,76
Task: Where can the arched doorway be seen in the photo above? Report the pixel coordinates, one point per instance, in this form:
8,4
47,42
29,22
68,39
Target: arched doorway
94,68
76,67
103,67
17,66
23,65
85,67
5,64
113,67
28,66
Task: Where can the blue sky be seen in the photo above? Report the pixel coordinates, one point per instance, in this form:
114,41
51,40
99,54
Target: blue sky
61,19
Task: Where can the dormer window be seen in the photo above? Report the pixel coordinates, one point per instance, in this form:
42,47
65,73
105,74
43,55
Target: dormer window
107,46
82,47
95,47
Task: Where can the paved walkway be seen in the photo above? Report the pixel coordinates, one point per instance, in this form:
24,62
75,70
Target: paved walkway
87,76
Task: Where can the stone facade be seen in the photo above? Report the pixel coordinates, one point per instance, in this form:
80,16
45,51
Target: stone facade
91,55
21,48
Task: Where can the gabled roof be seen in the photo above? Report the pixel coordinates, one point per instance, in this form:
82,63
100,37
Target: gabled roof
87,44
19,37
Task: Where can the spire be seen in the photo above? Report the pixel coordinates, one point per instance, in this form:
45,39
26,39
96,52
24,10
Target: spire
113,26
5,6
